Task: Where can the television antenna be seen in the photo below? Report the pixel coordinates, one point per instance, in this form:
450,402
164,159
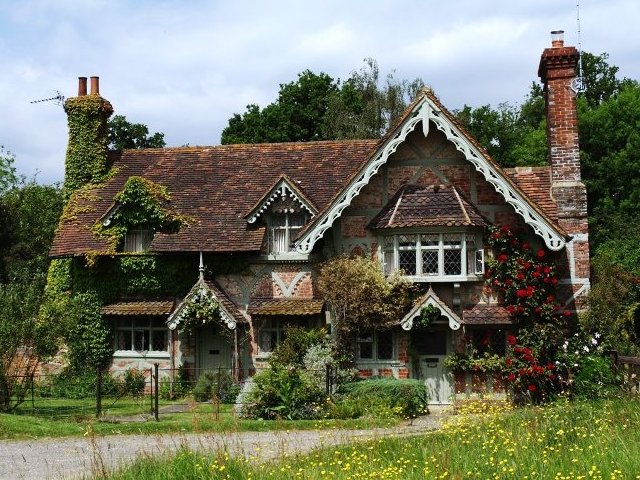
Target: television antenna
58,99
578,84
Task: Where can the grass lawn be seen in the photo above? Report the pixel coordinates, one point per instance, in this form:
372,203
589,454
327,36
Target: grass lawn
580,440
57,421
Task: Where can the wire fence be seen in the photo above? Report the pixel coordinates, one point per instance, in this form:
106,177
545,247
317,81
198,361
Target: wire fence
142,394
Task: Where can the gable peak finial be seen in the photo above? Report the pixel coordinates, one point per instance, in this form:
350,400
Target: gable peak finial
201,267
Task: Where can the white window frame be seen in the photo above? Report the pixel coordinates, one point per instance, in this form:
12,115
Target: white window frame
289,229
137,240
471,254
146,326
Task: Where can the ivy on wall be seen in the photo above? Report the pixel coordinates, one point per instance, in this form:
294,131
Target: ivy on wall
86,160
140,204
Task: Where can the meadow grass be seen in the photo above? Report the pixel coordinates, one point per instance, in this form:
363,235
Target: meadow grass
579,440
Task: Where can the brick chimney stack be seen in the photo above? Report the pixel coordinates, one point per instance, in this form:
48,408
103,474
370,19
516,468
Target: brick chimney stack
87,115
557,71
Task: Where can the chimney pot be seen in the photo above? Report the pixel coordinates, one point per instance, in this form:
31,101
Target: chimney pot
557,38
82,86
95,85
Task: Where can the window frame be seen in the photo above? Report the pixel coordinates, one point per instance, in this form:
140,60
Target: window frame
141,239
148,326
290,231
373,338
394,247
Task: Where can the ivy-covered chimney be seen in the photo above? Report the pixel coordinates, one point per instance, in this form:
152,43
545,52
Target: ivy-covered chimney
557,71
86,160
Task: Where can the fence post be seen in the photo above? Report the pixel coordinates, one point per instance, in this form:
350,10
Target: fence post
33,394
156,367
328,379
98,392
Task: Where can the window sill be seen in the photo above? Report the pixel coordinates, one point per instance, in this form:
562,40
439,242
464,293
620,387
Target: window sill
286,257
451,278
136,354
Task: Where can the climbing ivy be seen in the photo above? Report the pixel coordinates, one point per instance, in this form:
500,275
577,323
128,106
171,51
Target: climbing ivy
86,160
140,204
200,309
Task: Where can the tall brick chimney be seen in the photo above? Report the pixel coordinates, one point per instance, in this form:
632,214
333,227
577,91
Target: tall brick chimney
557,71
87,115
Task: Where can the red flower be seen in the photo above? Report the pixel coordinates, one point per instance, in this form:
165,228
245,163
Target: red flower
547,270
503,257
550,298
511,377
538,369
511,339
527,351
550,366
508,362
511,309
566,313
520,276
526,246
522,293
532,388
540,253
554,280
522,371
527,265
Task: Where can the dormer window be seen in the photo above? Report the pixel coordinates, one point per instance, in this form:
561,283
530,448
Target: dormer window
137,240
283,229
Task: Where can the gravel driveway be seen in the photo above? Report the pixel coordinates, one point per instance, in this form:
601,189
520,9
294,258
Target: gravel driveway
63,458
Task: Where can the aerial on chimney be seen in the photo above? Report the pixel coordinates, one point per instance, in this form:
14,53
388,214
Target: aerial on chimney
95,85
557,38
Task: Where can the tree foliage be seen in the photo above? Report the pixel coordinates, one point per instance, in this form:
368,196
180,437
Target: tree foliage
360,296
125,135
318,107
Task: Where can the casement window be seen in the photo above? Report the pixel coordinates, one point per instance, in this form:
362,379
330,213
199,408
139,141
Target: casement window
433,256
272,331
139,334
137,240
376,346
283,229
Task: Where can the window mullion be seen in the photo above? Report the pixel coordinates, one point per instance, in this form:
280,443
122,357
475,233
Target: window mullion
419,256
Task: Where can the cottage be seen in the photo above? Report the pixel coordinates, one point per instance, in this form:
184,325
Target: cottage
243,228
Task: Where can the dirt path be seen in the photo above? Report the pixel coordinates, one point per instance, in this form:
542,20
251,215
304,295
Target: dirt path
65,458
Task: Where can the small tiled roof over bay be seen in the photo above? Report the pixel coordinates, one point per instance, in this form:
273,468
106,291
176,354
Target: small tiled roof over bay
287,307
154,308
486,315
214,187
426,206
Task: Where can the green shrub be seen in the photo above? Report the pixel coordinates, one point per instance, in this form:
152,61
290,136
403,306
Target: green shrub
596,378
132,382
297,341
171,389
77,387
280,392
407,398
218,384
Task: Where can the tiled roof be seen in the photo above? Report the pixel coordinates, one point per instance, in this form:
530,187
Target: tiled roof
139,308
536,183
287,306
215,187
426,206
486,315
226,303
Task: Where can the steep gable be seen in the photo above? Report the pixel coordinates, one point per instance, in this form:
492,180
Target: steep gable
427,111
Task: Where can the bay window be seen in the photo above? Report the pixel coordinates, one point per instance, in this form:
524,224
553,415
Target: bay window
433,256
139,334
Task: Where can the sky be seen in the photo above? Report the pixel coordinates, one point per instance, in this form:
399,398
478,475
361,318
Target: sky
185,67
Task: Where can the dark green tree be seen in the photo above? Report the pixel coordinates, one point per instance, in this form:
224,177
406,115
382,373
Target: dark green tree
317,107
126,135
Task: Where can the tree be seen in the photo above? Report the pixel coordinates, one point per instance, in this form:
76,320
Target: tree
8,178
125,135
361,298
317,107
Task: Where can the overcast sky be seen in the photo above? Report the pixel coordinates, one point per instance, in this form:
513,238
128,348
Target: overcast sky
184,67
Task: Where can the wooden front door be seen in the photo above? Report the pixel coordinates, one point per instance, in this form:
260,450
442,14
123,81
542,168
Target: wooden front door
433,346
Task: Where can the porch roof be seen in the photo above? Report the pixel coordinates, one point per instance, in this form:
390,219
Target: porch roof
156,308
487,315
287,307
